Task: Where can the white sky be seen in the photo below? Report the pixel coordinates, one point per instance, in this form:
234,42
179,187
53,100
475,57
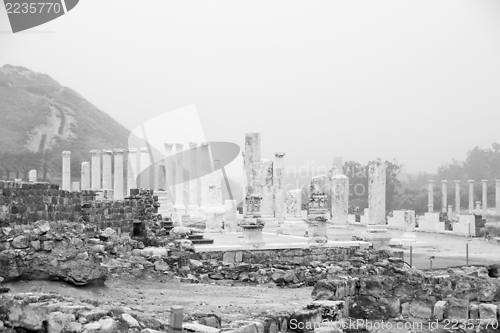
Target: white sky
418,81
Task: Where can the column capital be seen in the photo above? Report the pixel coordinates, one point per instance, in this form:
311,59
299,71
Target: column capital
168,146
132,150
95,152
484,180
193,145
179,146
66,152
471,181
85,163
144,149
444,181
107,152
279,154
118,151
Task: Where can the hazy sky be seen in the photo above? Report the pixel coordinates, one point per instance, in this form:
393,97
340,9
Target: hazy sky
418,81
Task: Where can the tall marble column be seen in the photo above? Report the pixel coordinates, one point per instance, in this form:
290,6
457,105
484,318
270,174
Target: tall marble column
253,197
169,166
85,185
179,175
376,193
107,175
444,190
118,175
471,197
193,208
497,196
485,196
457,197
66,170
279,187
131,175
146,168
266,171
431,196
205,164
96,169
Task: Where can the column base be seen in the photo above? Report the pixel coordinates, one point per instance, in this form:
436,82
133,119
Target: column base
252,235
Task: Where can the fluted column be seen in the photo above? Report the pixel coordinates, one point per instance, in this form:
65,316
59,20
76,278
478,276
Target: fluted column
431,196
145,168
444,190
485,196
471,197
131,164
107,175
96,169
457,197
279,187
85,181
66,170
179,175
118,174
193,208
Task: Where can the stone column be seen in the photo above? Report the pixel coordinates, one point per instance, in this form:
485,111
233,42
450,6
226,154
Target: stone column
444,190
107,175
340,200
85,181
193,208
450,210
317,213
457,197
376,193
244,185
75,186
471,197
96,169
431,196
131,175
32,176
478,207
180,208
205,164
118,175
230,215
485,196
266,171
294,205
169,175
409,226
497,195
146,170
279,187
66,171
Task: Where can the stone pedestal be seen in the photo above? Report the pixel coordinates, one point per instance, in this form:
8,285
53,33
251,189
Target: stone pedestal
180,208
96,169
485,196
340,200
376,193
252,235
118,174
294,223
279,187
471,197
266,188
32,176
430,204
66,170
131,170
444,190
409,234
230,224
85,178
317,232
457,197
163,201
107,174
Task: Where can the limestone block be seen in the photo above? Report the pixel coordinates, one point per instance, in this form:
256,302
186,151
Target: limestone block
457,309
488,312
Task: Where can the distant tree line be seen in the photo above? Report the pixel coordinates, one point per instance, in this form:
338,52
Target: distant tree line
17,165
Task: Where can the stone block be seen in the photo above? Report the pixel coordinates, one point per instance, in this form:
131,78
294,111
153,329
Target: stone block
457,309
439,310
488,312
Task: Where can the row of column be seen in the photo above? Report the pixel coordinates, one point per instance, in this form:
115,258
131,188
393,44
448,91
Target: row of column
444,190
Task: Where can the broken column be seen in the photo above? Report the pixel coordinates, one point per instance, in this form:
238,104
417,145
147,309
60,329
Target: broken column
317,212
444,191
485,196
376,193
205,170
118,175
279,187
252,223
66,170
266,171
294,224
131,165
457,197
169,166
230,215
96,169
430,204
180,208
32,176
193,208
85,177
471,197
107,175
244,185
478,208
497,196
145,170
409,234
340,200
